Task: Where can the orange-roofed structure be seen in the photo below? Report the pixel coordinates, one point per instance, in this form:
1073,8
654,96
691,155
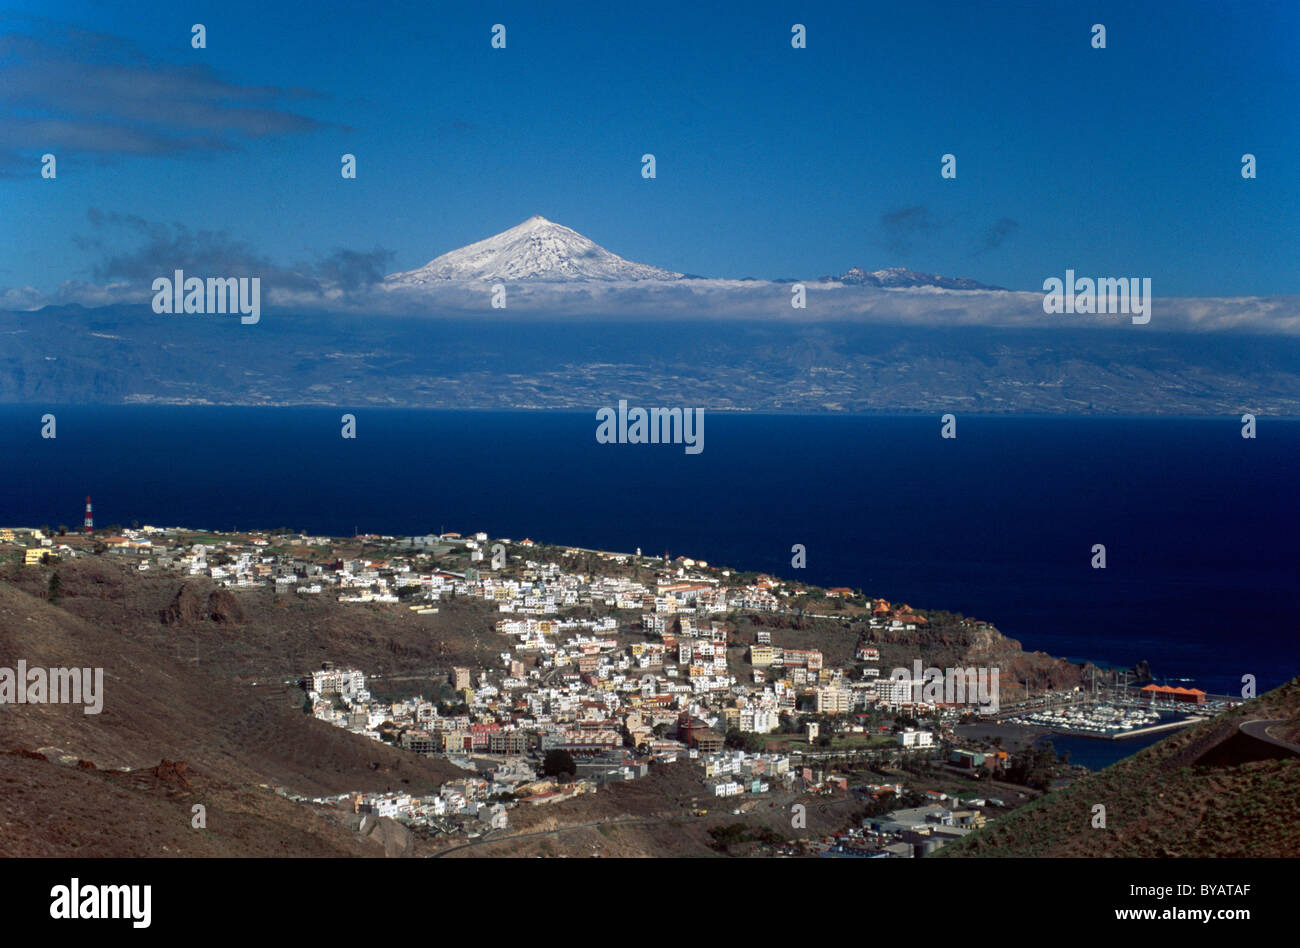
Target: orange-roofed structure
1191,695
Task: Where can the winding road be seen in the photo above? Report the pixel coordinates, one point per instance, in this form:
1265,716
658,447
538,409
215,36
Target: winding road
1259,731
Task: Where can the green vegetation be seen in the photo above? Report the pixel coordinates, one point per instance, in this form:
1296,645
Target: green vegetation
735,834
559,762
1035,766
737,739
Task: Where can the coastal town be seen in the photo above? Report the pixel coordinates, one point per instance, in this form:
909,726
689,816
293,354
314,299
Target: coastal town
610,667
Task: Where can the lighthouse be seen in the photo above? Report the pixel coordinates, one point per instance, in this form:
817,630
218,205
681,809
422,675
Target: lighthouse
90,517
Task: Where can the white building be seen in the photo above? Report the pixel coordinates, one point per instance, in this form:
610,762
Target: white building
911,738
895,692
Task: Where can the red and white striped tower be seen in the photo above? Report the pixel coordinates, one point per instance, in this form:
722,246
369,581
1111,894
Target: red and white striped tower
90,517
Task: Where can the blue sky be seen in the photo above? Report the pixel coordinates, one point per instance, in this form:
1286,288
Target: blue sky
772,162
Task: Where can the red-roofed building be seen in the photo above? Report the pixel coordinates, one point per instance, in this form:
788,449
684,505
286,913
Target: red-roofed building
1191,695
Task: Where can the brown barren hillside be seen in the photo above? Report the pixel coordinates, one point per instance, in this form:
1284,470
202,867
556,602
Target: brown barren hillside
1210,790
52,809
64,792
256,634
161,703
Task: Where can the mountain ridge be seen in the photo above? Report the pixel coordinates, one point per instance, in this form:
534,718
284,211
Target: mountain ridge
542,250
901,276
468,362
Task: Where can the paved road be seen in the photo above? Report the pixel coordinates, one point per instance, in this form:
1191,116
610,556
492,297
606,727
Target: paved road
1259,731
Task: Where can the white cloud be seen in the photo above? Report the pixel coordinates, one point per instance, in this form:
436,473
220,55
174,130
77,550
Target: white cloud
718,299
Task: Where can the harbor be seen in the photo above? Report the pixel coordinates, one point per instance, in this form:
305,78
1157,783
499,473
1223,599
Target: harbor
1120,711
1104,721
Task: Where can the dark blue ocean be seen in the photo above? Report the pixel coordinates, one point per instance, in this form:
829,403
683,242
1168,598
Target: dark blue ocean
1097,753
1200,525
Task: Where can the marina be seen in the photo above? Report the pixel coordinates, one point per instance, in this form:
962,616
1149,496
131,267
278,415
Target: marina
1104,721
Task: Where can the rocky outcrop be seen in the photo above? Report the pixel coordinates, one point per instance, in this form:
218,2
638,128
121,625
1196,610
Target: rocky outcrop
173,773
973,643
188,606
224,607
185,607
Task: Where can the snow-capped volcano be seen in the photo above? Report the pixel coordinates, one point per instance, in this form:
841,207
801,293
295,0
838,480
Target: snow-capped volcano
537,249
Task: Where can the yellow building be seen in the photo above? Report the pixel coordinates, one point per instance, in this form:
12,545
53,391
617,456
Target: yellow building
32,557
454,742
